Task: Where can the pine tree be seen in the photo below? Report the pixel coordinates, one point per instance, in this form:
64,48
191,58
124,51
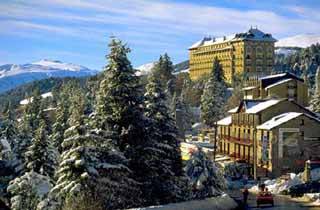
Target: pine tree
205,178
119,112
28,190
163,70
60,124
185,115
162,150
41,157
315,101
91,165
213,99
120,98
31,121
9,131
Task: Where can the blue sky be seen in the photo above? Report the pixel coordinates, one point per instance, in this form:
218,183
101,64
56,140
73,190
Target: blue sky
78,31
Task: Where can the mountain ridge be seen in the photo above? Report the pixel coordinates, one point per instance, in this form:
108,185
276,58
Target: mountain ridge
13,75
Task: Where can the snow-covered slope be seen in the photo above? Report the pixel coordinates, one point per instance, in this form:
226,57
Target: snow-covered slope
285,51
13,75
302,40
145,69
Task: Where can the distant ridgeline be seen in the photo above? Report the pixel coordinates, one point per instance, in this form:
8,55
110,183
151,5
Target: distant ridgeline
15,95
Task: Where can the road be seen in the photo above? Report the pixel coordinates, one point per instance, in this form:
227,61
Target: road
281,202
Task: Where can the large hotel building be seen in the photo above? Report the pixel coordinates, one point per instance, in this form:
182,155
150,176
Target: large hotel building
251,52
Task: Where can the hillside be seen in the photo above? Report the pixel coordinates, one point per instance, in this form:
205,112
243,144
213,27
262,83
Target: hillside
17,94
13,75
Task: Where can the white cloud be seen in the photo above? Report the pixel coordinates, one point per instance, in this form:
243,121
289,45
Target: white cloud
156,18
147,25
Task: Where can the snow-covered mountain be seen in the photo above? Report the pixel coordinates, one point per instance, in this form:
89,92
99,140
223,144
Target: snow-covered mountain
302,40
145,69
13,75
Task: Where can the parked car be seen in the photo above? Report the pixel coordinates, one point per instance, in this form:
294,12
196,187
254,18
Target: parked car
264,198
300,189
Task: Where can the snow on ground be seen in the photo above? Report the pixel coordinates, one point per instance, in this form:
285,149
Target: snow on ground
5,144
223,202
28,100
277,186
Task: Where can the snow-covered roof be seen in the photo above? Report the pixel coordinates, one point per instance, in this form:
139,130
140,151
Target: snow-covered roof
278,120
273,76
28,100
262,106
225,121
234,110
197,125
279,83
252,34
283,118
249,88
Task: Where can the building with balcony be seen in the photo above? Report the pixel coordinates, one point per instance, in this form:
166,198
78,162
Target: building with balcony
251,52
241,133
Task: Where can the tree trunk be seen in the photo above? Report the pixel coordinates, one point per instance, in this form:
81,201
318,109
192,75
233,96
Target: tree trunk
215,141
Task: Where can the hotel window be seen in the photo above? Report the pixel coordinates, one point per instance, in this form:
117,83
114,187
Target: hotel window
259,68
248,50
259,62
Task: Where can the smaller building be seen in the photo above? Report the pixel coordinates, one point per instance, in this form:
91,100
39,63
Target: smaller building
240,135
284,85
286,141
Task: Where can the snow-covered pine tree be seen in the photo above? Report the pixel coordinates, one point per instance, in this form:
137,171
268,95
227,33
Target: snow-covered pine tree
26,129
162,151
91,165
164,69
28,190
73,172
183,108
60,125
32,109
119,111
8,130
315,101
120,98
41,156
213,99
205,178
